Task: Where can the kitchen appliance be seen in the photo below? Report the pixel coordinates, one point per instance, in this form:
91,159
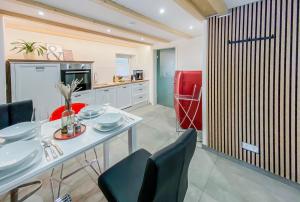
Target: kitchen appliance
138,75
80,71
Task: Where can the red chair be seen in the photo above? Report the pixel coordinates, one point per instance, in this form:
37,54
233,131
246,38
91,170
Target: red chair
188,99
56,114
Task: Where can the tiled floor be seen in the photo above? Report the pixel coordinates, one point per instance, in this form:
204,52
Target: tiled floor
211,177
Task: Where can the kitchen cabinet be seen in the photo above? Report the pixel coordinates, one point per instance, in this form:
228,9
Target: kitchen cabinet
140,92
37,82
124,96
106,96
86,97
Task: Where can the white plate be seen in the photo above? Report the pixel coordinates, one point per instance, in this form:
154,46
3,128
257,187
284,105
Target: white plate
107,129
109,119
88,116
16,153
92,110
24,166
16,131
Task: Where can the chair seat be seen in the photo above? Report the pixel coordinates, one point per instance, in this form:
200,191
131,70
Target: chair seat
123,181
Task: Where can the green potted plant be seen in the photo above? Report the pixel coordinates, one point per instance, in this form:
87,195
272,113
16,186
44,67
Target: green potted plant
28,48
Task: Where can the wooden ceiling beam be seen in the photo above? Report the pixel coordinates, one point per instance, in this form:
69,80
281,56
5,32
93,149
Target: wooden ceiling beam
140,17
190,7
75,28
219,6
201,9
92,20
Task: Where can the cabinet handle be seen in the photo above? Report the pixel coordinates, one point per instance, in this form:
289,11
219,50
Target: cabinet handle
124,87
39,68
76,72
77,95
106,90
140,89
140,97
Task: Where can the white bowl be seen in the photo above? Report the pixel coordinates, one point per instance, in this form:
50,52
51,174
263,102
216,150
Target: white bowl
19,130
16,153
109,119
101,128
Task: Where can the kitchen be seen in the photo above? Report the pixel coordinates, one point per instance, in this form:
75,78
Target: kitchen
101,69
111,100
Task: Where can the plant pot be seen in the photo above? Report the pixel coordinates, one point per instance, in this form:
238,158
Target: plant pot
29,56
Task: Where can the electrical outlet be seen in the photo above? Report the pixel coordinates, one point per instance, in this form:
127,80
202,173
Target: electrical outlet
250,147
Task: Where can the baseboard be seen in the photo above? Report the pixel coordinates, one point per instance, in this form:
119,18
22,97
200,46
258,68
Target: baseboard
136,106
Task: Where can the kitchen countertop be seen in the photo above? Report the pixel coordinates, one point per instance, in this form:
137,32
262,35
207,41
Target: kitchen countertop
45,61
105,85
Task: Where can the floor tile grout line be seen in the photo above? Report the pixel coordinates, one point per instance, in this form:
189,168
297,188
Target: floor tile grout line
209,175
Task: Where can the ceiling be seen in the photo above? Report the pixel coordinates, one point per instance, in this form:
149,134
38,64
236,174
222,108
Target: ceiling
140,21
236,3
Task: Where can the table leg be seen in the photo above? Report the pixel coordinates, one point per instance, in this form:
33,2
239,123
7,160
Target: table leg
106,155
132,140
14,195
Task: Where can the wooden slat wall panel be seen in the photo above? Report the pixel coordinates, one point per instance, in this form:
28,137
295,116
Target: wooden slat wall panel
253,87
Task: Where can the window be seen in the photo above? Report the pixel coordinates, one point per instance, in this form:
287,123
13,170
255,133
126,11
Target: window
123,65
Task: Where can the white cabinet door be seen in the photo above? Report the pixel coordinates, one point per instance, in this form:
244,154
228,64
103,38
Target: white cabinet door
86,97
37,82
106,96
124,97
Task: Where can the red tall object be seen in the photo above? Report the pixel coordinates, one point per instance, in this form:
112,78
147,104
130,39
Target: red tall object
185,84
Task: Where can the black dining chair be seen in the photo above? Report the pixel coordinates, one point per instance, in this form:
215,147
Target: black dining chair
11,114
142,177
16,112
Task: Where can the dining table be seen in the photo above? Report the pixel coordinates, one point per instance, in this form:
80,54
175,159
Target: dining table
74,147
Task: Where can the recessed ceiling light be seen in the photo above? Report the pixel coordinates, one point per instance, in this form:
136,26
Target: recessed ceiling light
131,23
108,30
162,11
142,39
41,13
191,27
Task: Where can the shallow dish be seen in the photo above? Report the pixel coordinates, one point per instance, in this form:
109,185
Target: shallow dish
92,110
109,119
24,166
83,116
19,130
16,153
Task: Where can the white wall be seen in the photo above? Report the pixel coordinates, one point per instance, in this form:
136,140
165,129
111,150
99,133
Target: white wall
145,62
191,54
2,63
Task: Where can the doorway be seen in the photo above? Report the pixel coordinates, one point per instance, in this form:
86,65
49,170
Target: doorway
165,77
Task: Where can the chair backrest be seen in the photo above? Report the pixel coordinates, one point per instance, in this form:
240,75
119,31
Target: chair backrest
166,174
56,114
4,116
16,112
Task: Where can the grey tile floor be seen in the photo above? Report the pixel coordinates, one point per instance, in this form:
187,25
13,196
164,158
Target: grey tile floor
212,178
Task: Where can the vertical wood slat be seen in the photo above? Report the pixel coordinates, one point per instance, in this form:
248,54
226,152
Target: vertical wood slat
253,93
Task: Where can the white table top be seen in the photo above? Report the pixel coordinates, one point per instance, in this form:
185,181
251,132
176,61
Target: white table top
71,148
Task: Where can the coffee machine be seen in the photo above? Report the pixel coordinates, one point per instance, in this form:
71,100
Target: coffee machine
138,75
